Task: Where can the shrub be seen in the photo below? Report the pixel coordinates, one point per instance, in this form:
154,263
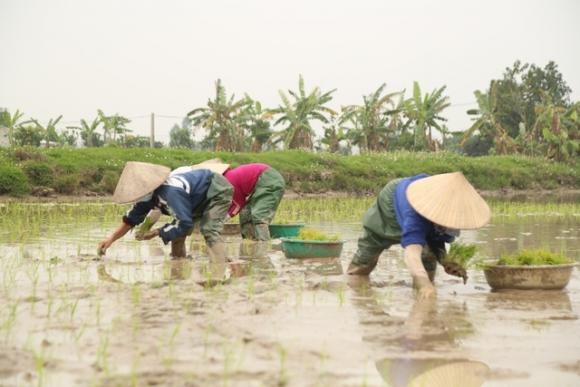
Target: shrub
39,173
109,181
13,181
66,184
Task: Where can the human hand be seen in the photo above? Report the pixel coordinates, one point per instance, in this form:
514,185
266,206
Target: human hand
147,235
426,293
456,270
426,290
103,246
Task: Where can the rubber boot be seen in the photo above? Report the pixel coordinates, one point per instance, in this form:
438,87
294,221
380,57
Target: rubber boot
178,248
261,232
247,230
355,269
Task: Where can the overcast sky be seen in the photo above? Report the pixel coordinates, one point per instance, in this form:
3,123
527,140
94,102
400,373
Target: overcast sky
135,57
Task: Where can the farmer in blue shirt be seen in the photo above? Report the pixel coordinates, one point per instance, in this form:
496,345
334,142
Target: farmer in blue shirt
187,195
421,213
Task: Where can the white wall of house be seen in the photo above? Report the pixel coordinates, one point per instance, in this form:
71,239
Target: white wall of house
4,139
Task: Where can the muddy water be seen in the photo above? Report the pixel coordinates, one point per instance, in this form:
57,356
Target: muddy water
137,318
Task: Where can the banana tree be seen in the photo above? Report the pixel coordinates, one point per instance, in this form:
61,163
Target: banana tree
88,132
372,120
487,124
558,127
334,134
113,125
258,126
49,130
297,115
424,112
11,121
223,118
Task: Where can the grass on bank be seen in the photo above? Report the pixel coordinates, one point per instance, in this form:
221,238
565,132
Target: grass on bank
73,171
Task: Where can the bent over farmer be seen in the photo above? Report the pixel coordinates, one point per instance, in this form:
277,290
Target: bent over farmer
421,213
189,196
258,190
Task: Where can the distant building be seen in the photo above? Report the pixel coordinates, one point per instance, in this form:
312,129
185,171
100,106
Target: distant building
4,135
4,138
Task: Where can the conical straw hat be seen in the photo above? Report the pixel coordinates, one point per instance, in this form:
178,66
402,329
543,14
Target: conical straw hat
449,201
139,179
432,372
461,374
214,165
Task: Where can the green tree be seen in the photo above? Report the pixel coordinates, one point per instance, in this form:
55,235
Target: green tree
297,115
180,136
523,87
89,133
334,136
487,123
49,130
223,118
555,132
11,121
370,123
258,126
28,134
424,113
69,136
112,126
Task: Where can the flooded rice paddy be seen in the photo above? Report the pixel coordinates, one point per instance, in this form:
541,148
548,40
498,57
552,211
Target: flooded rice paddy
135,317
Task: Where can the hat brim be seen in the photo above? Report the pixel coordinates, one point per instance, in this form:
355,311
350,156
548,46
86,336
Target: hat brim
214,165
449,200
139,179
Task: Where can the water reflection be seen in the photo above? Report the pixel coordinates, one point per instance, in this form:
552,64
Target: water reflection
432,372
429,324
529,300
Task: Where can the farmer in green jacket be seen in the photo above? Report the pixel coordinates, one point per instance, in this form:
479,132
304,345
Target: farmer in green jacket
421,213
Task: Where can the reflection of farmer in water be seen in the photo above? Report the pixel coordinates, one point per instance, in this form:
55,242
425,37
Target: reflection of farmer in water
188,195
258,190
422,213
401,344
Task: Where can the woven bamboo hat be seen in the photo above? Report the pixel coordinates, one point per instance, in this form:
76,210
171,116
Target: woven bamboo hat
139,179
449,201
214,165
433,372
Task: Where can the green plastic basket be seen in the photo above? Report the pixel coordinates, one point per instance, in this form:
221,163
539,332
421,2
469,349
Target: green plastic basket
295,248
285,230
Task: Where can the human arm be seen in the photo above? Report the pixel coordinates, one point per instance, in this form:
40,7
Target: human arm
412,258
182,207
121,230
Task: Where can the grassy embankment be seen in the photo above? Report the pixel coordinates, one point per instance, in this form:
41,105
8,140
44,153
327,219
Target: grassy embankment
78,171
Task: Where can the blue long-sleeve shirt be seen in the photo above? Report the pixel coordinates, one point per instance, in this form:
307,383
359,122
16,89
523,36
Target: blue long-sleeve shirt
415,229
179,196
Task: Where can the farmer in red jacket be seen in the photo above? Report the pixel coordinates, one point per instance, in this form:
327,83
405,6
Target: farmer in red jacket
258,190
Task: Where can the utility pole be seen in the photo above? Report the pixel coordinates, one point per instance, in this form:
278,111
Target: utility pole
152,137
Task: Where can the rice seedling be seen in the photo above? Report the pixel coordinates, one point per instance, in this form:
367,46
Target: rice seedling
340,295
39,365
9,320
102,359
310,234
282,373
533,258
461,254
